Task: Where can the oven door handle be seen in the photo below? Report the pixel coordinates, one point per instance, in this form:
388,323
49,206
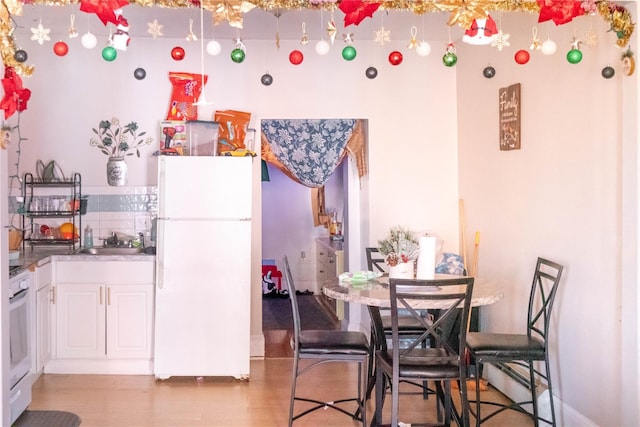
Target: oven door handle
17,297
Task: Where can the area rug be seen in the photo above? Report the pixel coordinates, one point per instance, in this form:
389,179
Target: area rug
47,419
276,314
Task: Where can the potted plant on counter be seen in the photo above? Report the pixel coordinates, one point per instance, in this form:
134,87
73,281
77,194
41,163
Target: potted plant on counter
400,249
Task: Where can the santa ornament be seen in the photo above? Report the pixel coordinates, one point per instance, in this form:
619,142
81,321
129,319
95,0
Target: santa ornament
481,32
120,40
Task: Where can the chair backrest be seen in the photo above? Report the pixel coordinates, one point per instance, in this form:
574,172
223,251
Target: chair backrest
453,298
543,293
291,287
375,260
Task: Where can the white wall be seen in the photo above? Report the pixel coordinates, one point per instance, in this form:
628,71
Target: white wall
420,113
561,196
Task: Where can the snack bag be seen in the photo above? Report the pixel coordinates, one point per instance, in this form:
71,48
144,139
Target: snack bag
232,129
187,88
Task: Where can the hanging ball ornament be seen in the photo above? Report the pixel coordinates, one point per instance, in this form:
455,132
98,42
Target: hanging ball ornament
177,53
237,55
109,53
20,55
139,73
423,49
296,57
266,79
371,73
349,53
489,72
213,48
322,47
574,56
449,59
395,58
60,48
522,56
89,41
549,47
608,72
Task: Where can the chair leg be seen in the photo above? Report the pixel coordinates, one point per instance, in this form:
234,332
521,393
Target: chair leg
293,388
362,400
548,370
381,389
534,401
478,370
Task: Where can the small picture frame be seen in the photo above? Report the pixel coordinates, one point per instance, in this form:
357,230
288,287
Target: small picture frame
509,113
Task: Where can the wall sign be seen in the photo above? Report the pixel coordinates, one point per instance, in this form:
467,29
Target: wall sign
509,112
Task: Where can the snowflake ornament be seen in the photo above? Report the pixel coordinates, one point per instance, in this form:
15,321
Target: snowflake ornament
381,36
501,40
591,38
575,43
40,34
155,28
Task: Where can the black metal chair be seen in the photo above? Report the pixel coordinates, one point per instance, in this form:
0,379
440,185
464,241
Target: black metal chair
441,362
408,326
506,351
325,346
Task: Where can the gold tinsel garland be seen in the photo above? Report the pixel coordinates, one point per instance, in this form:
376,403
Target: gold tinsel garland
462,13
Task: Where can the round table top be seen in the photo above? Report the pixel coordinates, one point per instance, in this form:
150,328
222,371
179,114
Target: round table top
376,293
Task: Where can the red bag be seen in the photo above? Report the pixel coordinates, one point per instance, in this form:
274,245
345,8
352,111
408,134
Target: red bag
187,88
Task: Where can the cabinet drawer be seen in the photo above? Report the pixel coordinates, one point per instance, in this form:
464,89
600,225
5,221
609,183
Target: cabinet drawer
105,271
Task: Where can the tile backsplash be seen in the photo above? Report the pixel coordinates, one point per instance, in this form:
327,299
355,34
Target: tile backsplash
124,210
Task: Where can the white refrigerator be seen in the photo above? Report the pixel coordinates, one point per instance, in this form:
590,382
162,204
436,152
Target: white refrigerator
203,266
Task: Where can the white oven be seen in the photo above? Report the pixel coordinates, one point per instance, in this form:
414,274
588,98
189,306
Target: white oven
20,379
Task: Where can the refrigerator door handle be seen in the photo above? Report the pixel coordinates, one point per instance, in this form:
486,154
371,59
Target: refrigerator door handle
160,255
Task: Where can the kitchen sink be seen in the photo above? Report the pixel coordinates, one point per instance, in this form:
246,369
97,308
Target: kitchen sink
111,250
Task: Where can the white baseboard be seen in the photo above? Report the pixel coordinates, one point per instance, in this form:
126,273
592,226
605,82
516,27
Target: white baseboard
565,415
256,346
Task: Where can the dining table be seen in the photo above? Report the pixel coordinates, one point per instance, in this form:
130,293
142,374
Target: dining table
375,292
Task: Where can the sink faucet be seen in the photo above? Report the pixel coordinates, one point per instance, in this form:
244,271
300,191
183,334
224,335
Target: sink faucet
111,240
141,235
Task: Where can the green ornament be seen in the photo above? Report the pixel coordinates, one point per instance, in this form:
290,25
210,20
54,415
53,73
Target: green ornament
349,53
109,53
237,55
574,56
449,59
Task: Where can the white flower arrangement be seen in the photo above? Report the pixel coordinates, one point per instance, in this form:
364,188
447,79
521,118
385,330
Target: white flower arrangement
400,246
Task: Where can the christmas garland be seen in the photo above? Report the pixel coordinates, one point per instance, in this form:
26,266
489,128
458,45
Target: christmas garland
462,13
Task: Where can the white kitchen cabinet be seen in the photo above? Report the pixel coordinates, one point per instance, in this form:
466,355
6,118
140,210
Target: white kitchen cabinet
103,313
40,330
330,264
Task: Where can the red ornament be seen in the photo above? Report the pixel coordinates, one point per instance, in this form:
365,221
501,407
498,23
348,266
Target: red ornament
395,58
522,57
177,53
356,10
296,57
60,48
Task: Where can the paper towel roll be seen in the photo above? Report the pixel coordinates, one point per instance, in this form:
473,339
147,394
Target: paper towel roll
426,258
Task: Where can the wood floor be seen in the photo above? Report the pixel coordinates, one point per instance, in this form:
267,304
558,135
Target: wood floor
263,401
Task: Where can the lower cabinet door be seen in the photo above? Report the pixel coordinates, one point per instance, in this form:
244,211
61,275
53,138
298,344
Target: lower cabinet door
80,320
129,321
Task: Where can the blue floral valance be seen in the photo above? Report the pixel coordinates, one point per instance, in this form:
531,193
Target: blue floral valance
310,150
